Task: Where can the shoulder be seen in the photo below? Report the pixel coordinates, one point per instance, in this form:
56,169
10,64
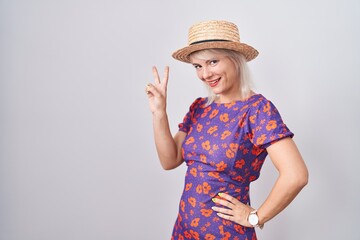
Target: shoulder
262,104
198,102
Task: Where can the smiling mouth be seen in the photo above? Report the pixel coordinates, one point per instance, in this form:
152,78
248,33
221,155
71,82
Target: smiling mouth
214,82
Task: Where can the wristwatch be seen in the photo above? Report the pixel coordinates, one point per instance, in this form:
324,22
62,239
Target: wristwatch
253,219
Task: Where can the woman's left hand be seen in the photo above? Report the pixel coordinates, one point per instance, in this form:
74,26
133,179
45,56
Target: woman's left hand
235,210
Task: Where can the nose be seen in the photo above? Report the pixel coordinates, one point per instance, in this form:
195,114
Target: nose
206,73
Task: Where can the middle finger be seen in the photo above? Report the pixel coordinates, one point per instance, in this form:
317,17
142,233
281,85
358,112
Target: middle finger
223,210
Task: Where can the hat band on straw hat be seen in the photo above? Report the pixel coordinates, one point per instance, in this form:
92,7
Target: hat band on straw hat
210,40
214,34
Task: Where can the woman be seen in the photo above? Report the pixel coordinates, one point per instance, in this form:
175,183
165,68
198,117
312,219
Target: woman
224,140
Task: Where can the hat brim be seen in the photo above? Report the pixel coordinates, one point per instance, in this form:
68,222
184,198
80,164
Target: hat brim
183,54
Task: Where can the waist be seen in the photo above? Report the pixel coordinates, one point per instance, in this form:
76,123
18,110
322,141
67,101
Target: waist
204,185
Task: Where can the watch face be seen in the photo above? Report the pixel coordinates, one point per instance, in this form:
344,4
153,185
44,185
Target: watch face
253,219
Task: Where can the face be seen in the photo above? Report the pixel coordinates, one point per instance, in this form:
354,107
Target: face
219,73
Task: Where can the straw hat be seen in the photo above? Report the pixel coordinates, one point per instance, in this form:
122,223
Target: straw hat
214,34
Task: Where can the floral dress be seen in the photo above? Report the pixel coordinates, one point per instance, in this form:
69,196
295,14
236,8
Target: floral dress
224,149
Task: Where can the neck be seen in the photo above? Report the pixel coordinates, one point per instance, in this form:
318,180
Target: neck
233,97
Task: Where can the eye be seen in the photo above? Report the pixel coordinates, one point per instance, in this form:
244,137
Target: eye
196,66
213,62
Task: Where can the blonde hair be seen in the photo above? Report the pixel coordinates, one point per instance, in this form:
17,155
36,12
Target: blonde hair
241,67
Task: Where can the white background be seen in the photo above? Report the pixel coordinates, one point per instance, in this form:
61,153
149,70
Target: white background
77,158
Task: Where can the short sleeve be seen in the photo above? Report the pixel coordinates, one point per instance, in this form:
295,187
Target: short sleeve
189,118
266,125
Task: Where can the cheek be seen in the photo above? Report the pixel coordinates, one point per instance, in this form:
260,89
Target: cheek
199,74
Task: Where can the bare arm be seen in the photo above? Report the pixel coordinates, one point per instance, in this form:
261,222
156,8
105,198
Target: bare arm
167,146
293,176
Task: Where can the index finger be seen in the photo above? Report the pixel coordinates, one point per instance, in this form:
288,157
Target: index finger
156,75
229,198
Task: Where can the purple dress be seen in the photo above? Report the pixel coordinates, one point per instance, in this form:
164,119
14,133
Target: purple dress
224,149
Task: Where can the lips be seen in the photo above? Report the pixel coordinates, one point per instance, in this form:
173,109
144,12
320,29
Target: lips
214,83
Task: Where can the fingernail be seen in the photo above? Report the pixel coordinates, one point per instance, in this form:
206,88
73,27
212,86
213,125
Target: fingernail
220,194
213,199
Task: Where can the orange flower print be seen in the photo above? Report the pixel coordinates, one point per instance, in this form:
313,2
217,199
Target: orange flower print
227,236
189,140
221,166
199,189
206,145
202,205
195,222
256,150
252,118
188,186
239,228
214,174
213,113
192,201
266,107
252,178
244,107
256,103
206,212
215,147
199,127
190,130
229,153
271,125
181,237
256,164
239,163
193,172
225,134
202,158
224,117
195,235
191,162
221,228
187,235
234,147
229,105
182,205
206,110
206,188
226,222
212,129
260,140
216,219
238,178
242,123
209,236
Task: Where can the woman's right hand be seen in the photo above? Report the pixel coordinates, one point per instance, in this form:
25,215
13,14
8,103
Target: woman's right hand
156,92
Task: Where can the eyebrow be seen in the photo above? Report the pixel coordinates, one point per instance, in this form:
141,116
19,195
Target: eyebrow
206,61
